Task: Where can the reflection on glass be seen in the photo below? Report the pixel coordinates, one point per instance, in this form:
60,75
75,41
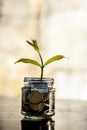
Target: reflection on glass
37,125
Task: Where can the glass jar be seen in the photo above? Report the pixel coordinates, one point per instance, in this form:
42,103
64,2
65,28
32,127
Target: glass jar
38,98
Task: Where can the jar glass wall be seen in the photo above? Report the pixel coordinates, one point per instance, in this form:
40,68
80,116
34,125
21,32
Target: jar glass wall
38,98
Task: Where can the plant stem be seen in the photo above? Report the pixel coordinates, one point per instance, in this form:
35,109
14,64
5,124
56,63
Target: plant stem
42,66
42,72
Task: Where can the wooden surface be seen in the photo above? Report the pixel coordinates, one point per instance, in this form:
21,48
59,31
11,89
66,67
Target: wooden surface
70,115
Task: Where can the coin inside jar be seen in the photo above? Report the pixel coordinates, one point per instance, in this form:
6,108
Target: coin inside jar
37,107
35,96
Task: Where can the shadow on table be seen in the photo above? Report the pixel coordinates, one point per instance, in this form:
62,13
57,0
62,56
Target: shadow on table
37,125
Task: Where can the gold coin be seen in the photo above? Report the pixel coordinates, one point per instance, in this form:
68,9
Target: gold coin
37,107
35,96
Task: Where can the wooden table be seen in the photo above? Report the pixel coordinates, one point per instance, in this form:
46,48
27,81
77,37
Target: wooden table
70,115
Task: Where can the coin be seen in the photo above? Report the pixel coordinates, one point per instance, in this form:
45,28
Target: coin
37,107
35,96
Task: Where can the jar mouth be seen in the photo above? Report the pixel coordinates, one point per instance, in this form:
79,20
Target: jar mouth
37,79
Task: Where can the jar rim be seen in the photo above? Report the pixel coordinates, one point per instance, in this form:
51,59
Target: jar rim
37,79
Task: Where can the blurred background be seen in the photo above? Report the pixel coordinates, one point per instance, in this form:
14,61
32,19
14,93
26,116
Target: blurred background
60,27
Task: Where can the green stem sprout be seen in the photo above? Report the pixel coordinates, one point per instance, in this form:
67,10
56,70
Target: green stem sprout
34,44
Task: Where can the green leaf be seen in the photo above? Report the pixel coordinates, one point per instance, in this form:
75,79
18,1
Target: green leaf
35,45
55,58
28,61
29,43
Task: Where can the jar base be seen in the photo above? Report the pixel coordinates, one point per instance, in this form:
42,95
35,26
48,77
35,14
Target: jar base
36,118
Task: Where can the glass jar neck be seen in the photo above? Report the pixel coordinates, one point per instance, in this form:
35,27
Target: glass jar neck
39,80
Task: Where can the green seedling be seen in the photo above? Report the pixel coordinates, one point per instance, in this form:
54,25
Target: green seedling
42,64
